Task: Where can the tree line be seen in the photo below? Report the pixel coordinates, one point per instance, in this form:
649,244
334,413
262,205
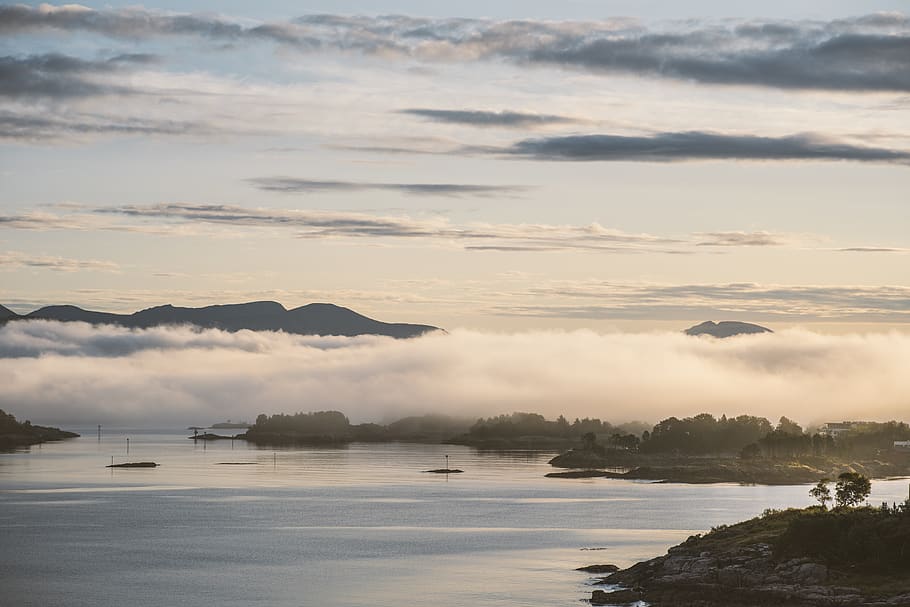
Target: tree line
748,436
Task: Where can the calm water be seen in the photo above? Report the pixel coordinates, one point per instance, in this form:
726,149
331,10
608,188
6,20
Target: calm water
357,526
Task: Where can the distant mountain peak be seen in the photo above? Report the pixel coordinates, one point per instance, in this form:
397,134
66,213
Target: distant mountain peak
311,319
6,313
726,328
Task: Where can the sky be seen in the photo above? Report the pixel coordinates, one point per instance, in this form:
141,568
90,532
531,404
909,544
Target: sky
495,166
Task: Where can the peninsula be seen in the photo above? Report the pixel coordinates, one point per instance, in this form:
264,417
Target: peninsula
15,434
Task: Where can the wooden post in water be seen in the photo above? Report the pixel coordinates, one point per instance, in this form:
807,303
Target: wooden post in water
127,446
447,463
99,433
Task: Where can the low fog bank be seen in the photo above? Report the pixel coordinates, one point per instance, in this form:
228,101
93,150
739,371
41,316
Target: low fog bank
73,373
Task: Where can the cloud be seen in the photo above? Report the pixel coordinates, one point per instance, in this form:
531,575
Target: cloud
29,126
183,219
874,250
766,302
16,259
479,118
866,53
291,185
322,224
38,220
125,23
58,76
697,145
68,373
334,224
740,239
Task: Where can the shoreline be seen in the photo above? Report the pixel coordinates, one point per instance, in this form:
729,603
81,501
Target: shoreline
722,469
786,558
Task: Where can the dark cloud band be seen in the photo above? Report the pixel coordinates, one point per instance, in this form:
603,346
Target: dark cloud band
32,127
61,76
697,145
867,53
504,119
290,185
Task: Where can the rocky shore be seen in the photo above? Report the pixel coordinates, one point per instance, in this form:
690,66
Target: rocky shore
741,566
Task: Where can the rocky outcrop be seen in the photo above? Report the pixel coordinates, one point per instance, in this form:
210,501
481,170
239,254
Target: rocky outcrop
739,576
599,569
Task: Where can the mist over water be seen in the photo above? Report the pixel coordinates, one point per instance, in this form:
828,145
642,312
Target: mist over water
74,373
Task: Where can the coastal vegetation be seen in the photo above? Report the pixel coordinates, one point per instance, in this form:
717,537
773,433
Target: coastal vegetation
516,430
697,449
811,556
532,430
744,449
21,434
334,427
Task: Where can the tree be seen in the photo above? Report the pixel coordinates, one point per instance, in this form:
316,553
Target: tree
821,492
750,451
589,439
788,426
851,489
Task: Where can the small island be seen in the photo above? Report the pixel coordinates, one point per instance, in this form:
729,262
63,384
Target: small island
210,436
14,434
333,428
806,557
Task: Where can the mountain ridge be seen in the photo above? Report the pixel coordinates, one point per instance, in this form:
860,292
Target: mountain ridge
6,313
310,319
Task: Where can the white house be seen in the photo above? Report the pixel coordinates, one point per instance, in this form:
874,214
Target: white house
835,429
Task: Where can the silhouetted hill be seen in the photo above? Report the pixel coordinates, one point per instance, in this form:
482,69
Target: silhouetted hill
312,319
726,328
6,314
